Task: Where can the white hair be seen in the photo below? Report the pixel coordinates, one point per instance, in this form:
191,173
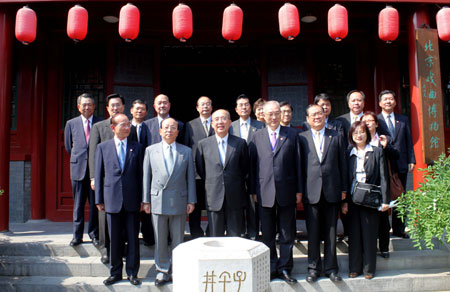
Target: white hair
271,103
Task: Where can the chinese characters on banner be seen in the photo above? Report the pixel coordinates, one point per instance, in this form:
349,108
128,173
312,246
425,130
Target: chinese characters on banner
428,63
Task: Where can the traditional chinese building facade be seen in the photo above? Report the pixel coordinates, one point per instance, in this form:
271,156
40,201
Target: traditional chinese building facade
39,82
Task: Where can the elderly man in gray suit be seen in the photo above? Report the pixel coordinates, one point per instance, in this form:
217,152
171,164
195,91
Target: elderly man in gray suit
169,192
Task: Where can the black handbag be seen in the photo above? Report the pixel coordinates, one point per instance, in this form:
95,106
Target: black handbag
366,195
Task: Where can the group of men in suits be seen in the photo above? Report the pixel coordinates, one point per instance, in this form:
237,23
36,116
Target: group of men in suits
248,175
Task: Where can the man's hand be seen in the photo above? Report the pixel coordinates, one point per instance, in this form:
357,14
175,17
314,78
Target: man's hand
147,208
383,140
384,207
344,195
101,207
344,208
93,184
299,197
190,208
411,167
255,198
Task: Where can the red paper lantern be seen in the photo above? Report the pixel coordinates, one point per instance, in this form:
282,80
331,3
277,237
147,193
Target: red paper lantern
77,23
388,24
232,23
26,23
289,21
337,22
182,22
129,19
443,23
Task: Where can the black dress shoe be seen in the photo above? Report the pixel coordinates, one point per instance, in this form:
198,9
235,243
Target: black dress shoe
76,242
134,280
334,277
312,277
286,276
95,242
111,280
161,282
384,254
273,276
104,259
402,235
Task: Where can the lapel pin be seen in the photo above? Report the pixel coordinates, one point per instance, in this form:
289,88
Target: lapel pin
329,137
281,138
131,150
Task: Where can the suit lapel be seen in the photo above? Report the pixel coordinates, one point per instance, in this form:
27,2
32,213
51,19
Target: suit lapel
80,126
162,164
114,150
311,144
326,143
281,140
128,154
230,149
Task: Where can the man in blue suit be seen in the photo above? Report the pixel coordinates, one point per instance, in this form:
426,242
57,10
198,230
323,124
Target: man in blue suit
76,141
397,126
118,192
276,184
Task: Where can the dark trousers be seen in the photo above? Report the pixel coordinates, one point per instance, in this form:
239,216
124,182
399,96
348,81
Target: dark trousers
195,217
103,234
82,191
322,217
251,222
284,216
119,224
362,252
227,218
383,232
398,227
147,228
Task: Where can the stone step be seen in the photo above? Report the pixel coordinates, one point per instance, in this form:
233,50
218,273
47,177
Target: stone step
86,249
399,281
92,267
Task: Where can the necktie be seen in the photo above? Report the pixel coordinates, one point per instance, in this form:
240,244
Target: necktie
273,140
169,159
138,130
205,127
222,151
390,125
87,131
318,144
355,119
122,154
244,131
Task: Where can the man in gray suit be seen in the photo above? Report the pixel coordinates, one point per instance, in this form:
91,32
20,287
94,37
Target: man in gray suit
102,132
169,192
222,161
245,127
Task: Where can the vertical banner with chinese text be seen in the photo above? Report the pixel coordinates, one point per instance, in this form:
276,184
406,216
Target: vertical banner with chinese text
428,66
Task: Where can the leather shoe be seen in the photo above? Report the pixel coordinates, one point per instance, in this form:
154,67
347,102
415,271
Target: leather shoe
161,282
95,242
368,276
134,280
353,275
334,277
286,276
76,242
402,235
384,254
111,280
104,259
312,277
273,276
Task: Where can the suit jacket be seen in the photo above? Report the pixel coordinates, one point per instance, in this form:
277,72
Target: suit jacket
153,135
193,134
169,194
401,140
328,176
255,125
145,135
100,132
76,146
275,174
375,168
346,122
226,181
116,188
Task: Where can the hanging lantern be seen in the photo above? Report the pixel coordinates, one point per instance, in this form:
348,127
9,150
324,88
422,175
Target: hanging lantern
337,22
77,23
26,23
443,23
129,19
388,24
232,23
289,21
182,22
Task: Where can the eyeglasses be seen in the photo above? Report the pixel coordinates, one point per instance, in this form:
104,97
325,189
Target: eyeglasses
317,114
205,104
221,119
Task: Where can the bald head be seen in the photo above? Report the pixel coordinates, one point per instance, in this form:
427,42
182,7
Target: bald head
161,104
221,122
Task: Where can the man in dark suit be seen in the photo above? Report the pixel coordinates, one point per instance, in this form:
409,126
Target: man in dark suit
139,133
397,126
101,132
355,100
222,162
323,100
287,112
118,192
76,141
276,184
196,130
324,169
161,105
245,127
169,192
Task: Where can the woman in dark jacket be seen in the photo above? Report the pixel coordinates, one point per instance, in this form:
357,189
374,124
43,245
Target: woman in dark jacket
366,164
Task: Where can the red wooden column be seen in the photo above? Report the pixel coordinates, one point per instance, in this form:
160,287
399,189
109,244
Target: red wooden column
417,19
6,39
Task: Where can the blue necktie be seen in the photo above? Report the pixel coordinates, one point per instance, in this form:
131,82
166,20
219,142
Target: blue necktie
222,152
390,126
169,160
122,154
